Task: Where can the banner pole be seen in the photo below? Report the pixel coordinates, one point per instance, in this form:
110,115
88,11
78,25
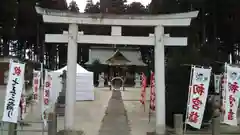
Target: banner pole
41,93
149,113
145,91
223,92
189,94
149,109
41,88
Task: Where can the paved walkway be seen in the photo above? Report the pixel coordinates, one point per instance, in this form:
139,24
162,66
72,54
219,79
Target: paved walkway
115,121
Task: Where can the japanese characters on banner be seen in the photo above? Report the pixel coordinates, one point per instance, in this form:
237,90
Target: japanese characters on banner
143,92
46,96
23,107
13,92
152,92
36,85
232,95
198,96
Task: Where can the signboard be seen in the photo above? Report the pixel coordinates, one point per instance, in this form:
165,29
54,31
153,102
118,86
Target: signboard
46,96
197,96
36,85
13,92
231,95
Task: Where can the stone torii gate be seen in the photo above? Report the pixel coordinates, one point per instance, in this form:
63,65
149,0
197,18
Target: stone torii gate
158,40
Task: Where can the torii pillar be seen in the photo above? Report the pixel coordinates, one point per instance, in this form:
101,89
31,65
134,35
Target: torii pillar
159,40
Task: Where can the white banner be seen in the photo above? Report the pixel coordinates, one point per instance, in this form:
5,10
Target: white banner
13,92
232,95
36,85
46,96
217,83
198,96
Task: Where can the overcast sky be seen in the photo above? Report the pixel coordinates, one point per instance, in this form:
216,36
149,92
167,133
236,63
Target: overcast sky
82,3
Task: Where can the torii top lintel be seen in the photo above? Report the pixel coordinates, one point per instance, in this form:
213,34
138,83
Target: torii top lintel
57,16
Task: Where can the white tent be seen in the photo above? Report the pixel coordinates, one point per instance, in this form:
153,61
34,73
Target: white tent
79,68
84,83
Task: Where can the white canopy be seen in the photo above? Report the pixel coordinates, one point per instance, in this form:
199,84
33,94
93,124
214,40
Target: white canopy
79,68
84,83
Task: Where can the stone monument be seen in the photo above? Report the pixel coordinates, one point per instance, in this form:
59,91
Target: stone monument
61,98
137,81
101,80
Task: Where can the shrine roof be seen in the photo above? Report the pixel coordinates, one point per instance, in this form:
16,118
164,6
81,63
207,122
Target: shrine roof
117,59
133,56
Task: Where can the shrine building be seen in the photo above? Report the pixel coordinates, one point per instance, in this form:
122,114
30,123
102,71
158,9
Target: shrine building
121,61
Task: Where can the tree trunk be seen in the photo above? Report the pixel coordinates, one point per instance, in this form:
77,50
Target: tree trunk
5,47
62,55
52,56
203,26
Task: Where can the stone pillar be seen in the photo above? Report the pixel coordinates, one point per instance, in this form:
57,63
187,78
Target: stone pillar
216,126
71,77
12,129
64,79
160,81
101,80
137,81
52,122
178,124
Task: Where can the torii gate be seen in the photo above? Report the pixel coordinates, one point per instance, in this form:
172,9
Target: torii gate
159,40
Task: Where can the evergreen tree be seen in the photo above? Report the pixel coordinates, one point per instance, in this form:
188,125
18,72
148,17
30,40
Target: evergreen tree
8,19
92,8
117,6
73,7
136,8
